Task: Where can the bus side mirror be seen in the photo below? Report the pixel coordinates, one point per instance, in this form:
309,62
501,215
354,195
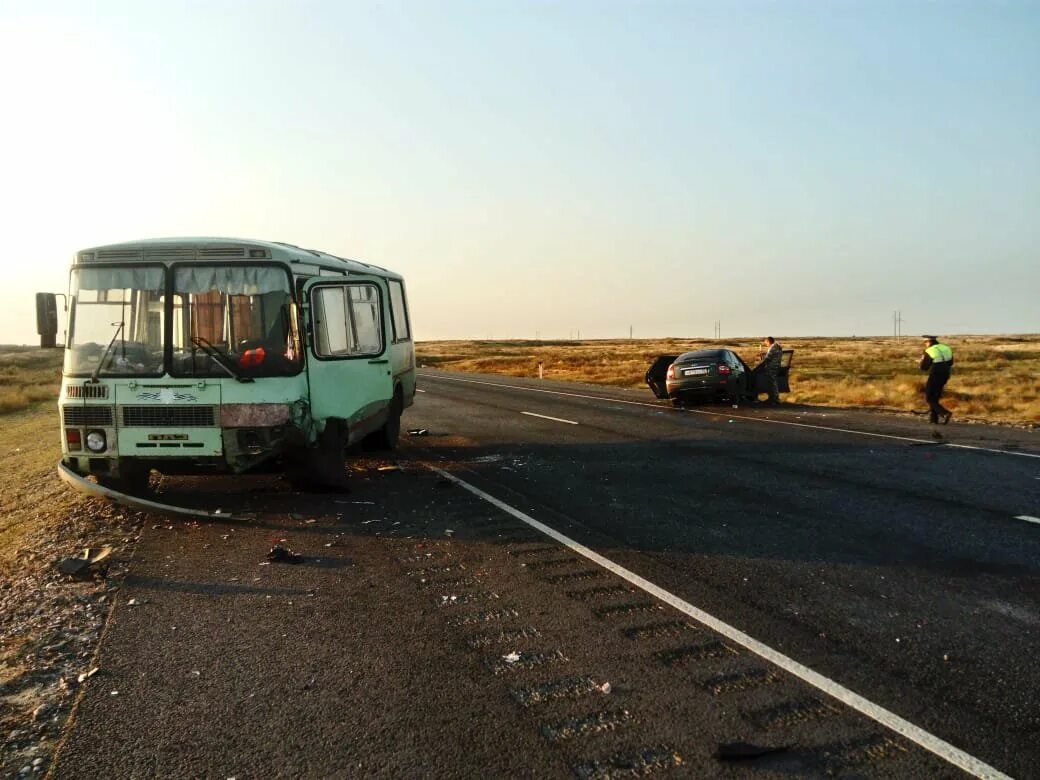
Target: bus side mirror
47,319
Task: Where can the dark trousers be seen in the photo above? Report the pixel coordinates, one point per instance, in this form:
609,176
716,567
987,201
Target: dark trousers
933,390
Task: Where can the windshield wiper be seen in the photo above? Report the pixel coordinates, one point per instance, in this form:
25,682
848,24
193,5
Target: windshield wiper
219,358
97,371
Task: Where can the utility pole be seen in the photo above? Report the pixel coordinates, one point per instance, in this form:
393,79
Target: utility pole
897,323
629,332
579,334
718,329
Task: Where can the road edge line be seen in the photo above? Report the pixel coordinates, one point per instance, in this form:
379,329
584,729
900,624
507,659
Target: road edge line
939,747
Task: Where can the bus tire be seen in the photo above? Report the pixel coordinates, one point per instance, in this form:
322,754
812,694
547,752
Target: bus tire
132,480
387,437
322,467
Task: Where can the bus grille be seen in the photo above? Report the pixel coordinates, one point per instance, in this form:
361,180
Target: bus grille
86,391
99,416
168,416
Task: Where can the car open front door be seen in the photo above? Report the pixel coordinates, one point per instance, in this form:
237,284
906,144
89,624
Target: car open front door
348,368
783,375
655,375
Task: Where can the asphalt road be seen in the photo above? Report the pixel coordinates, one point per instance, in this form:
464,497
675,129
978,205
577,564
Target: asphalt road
429,632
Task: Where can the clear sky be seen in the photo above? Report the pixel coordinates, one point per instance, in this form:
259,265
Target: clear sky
542,167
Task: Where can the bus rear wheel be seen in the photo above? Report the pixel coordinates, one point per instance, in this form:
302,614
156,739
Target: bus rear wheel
387,437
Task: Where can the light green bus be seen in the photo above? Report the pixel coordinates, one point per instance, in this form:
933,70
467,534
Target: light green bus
214,355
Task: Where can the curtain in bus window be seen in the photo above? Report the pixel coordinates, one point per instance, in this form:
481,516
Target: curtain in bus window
236,280
119,278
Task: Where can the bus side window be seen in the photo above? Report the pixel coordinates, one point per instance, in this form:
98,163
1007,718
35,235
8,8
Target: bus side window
399,311
348,321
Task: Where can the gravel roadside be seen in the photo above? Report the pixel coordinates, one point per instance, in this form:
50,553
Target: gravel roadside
50,623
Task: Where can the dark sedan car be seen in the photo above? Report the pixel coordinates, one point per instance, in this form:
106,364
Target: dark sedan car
711,375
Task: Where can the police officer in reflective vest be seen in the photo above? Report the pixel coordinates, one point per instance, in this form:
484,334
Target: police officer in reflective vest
937,360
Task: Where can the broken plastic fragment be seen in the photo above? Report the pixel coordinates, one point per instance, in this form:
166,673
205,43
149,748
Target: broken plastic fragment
511,658
87,675
604,688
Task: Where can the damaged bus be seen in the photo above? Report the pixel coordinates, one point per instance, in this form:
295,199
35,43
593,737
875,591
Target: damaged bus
206,356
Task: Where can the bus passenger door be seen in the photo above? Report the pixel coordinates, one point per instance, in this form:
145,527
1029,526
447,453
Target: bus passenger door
348,369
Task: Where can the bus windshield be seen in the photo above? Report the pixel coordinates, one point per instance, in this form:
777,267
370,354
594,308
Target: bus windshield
116,321
238,320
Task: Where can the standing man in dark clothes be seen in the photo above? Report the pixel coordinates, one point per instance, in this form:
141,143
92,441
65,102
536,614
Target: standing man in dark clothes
937,360
771,367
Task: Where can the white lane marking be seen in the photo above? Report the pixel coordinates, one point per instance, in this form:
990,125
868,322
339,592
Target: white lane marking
737,416
547,417
1028,519
928,741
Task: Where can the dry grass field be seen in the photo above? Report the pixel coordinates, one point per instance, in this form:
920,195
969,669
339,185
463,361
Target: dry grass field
28,375
996,378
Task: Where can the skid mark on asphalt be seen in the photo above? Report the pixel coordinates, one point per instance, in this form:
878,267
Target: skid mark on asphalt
772,707
608,602
492,622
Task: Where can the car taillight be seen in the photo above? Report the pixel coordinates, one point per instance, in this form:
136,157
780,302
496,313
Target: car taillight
671,372
725,370
73,439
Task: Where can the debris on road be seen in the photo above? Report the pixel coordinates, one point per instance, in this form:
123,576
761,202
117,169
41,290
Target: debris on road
511,658
418,432
604,688
86,564
279,554
739,751
391,467
84,676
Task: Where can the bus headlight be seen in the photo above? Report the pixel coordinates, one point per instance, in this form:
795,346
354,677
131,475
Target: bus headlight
96,441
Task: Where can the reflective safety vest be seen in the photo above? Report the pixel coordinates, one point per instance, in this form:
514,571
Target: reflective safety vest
939,353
